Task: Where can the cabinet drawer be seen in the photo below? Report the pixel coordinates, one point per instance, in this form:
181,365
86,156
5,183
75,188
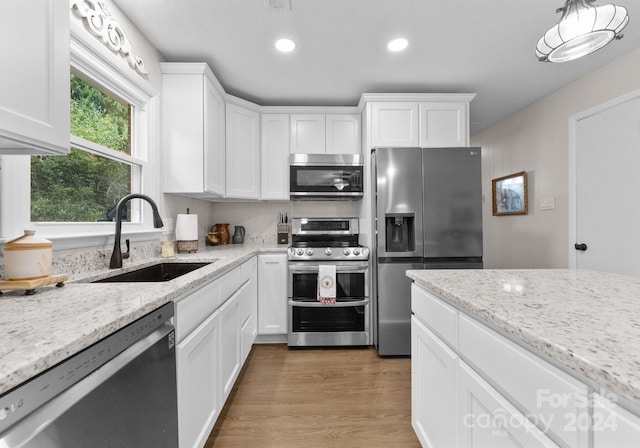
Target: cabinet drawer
437,315
249,270
541,389
195,308
487,419
230,282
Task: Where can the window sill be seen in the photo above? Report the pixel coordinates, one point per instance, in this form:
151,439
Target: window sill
97,239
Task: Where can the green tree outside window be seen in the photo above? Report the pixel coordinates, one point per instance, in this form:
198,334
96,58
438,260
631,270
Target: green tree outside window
84,186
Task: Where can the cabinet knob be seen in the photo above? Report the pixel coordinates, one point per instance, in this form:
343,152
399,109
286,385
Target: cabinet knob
580,246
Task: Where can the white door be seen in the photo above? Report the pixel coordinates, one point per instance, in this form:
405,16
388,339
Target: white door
394,124
214,140
272,294
307,134
488,420
343,134
197,376
434,383
607,215
274,143
242,136
443,124
230,340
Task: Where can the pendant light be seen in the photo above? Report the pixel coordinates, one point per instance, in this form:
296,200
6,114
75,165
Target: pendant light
583,29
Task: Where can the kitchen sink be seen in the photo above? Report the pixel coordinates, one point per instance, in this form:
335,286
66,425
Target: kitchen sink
161,272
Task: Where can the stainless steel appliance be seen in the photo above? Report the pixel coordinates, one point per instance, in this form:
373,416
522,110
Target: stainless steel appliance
328,241
427,204
325,176
120,392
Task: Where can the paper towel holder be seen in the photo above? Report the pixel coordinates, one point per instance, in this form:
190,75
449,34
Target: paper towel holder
186,246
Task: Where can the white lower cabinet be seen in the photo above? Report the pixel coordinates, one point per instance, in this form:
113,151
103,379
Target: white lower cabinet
215,328
249,307
473,388
531,382
272,293
198,376
488,420
434,369
613,426
230,340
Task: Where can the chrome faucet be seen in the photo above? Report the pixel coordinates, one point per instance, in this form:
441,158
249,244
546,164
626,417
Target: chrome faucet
117,255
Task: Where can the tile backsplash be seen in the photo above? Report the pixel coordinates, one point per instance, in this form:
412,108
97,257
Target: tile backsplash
260,218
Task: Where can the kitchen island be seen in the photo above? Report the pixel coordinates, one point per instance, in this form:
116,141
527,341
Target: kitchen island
561,344
41,330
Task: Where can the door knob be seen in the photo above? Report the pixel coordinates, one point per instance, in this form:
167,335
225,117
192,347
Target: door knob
580,246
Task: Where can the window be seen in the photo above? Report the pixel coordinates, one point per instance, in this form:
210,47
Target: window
86,185
114,151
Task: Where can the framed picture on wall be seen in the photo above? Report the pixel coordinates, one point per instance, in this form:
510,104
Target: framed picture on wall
509,194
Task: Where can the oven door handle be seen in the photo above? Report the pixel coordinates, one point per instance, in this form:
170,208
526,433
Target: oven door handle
356,269
337,304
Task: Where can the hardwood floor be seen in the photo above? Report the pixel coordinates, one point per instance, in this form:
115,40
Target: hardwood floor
318,398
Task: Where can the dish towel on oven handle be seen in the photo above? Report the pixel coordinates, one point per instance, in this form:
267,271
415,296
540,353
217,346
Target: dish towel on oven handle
327,284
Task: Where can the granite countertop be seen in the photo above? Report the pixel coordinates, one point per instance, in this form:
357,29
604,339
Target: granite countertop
588,322
42,330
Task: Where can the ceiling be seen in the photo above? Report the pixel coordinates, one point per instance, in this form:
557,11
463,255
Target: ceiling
481,46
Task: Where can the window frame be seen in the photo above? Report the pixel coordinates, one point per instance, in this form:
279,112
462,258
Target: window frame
88,58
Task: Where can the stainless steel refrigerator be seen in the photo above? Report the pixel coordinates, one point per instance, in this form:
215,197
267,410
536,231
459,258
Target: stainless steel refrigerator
427,204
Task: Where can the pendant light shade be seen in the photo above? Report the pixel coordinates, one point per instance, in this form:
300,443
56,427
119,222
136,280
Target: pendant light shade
583,29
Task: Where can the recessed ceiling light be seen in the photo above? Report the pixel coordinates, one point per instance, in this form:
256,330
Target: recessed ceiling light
397,44
285,45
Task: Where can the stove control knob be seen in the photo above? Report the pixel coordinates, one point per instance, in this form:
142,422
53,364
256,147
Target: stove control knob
327,251
309,251
356,251
347,251
300,252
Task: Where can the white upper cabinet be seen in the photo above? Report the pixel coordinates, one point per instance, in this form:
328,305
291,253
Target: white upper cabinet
275,157
193,130
214,140
443,124
343,134
307,134
394,124
325,134
424,120
243,152
34,85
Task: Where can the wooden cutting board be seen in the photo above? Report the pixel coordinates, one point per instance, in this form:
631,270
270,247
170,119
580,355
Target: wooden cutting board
30,285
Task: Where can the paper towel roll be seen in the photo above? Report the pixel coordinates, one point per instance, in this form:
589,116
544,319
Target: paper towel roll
187,227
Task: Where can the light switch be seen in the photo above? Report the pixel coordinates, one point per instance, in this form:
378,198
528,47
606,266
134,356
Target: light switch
547,203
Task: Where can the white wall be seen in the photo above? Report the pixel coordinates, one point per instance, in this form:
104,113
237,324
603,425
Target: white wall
169,205
536,139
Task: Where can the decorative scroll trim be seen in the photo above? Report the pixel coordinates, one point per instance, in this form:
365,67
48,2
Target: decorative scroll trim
102,25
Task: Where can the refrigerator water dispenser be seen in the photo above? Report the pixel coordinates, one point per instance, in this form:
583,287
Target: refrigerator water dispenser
400,232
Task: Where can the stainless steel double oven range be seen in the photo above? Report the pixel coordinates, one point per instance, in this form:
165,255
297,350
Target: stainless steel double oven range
328,241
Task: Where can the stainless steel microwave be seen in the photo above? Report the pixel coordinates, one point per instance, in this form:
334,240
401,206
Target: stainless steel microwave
325,177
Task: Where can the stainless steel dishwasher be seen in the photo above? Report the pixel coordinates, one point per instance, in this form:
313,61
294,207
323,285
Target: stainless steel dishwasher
119,392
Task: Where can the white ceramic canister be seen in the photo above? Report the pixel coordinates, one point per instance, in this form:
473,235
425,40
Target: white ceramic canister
27,257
